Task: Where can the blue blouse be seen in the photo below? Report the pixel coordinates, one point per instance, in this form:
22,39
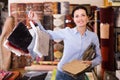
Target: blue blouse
75,44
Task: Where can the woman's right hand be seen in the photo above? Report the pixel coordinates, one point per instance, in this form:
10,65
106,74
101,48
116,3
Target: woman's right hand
33,16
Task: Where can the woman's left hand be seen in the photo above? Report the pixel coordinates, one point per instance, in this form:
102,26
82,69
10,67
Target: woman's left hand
87,62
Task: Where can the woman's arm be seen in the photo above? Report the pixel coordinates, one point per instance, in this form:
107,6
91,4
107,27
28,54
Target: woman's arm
59,34
98,57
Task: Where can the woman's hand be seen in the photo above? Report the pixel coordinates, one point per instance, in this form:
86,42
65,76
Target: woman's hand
33,16
87,62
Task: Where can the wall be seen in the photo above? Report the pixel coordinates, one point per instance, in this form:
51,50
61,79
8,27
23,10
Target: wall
92,2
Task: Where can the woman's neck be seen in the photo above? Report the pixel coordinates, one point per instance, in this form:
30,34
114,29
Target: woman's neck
81,30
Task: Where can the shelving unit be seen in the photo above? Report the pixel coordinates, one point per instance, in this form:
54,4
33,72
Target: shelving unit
115,3
117,34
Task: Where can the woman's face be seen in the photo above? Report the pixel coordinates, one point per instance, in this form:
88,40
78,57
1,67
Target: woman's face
80,18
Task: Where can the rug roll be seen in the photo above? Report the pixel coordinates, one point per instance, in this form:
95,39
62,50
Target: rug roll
107,15
91,14
55,29
69,21
64,7
50,56
71,7
58,20
56,8
38,7
104,42
107,43
118,17
93,9
5,54
88,7
18,10
20,61
17,7
48,8
51,8
105,58
118,43
97,22
48,22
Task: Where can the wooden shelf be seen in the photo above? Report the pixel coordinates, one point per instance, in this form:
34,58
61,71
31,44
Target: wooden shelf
115,4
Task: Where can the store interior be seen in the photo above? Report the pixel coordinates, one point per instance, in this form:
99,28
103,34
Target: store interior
104,20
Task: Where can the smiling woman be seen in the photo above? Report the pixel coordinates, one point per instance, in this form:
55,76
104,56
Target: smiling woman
78,37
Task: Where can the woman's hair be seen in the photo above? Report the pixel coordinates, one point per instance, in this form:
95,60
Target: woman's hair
77,8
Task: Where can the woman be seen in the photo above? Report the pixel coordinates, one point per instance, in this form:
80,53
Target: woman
76,40
5,54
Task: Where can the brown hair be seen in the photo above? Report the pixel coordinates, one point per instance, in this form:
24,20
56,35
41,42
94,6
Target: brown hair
77,8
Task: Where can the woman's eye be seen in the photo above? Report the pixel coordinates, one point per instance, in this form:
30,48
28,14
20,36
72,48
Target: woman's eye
83,15
76,16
